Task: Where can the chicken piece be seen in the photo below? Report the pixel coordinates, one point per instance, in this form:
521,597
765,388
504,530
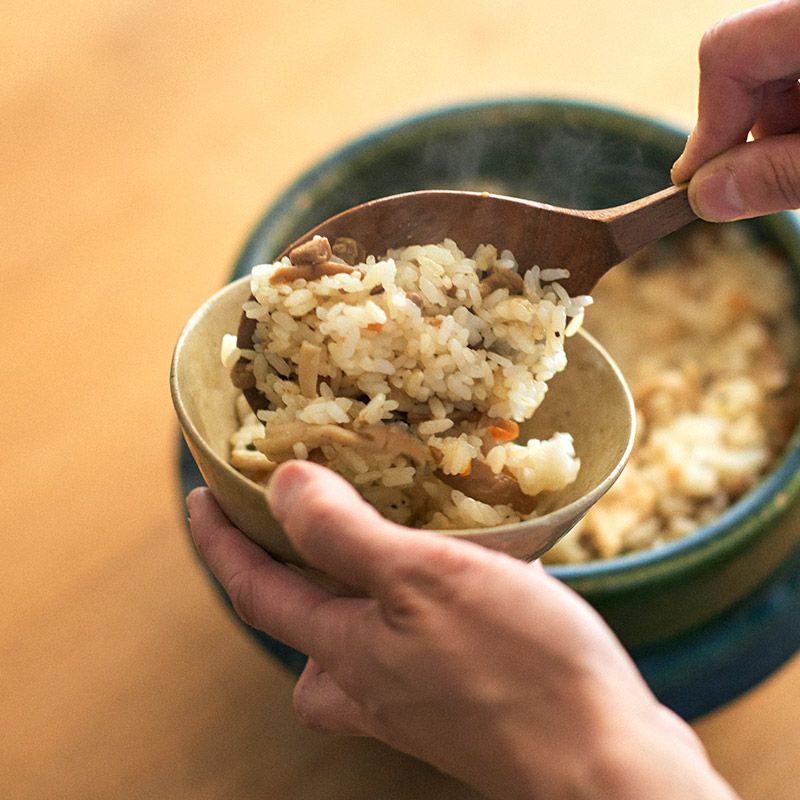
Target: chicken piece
310,260
349,250
502,279
242,374
317,251
480,483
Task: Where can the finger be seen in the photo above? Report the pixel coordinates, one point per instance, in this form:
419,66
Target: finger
737,58
780,109
336,531
265,594
752,179
322,705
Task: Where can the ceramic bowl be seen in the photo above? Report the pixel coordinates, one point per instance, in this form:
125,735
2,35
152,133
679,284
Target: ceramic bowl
590,399
582,156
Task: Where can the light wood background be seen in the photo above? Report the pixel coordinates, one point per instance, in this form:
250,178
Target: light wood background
138,142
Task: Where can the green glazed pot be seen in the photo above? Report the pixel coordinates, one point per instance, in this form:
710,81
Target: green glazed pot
577,155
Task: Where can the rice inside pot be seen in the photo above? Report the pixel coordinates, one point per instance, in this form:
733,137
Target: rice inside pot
409,375
705,330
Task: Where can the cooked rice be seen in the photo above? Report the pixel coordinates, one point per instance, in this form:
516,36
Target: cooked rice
442,350
707,336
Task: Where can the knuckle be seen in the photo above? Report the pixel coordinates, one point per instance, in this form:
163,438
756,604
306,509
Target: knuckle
404,608
442,578
724,49
782,177
712,46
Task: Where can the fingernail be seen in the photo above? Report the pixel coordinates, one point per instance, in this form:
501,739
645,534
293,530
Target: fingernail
283,489
717,198
675,166
675,171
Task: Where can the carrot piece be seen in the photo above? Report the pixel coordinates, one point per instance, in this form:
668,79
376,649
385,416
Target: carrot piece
504,430
375,326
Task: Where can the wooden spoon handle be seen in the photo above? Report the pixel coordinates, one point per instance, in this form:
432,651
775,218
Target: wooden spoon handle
642,222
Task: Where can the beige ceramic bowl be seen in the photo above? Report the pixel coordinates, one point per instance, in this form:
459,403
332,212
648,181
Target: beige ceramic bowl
590,400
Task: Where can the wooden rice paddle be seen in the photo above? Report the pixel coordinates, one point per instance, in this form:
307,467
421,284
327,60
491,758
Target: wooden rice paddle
587,243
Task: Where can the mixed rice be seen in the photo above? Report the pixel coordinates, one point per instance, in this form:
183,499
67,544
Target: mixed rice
705,331
408,374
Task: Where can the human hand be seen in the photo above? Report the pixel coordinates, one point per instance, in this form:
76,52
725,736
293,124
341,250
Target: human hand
477,663
749,69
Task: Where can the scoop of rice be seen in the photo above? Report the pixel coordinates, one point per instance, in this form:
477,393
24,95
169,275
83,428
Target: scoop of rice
409,375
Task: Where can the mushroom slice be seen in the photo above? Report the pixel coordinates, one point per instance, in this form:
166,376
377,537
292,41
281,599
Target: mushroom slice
277,444
279,440
308,368
392,439
252,462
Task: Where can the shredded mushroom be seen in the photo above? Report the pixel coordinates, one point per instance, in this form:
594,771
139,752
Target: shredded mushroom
278,445
308,368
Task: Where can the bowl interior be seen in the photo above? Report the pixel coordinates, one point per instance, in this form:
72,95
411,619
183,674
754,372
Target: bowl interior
590,399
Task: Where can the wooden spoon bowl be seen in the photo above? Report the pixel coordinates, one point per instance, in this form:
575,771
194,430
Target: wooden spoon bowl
587,243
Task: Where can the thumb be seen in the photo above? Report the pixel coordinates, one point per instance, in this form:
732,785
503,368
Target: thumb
335,530
749,180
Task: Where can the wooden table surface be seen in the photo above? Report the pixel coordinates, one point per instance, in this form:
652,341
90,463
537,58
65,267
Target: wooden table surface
139,141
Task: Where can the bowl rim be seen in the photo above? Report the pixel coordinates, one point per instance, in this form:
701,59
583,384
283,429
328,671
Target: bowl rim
743,519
